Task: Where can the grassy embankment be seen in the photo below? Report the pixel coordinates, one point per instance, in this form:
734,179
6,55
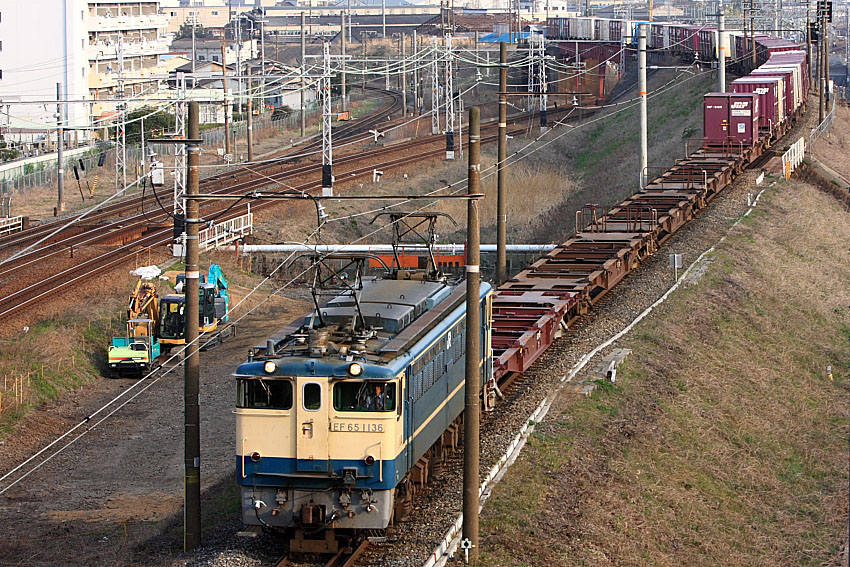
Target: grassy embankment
724,441
45,360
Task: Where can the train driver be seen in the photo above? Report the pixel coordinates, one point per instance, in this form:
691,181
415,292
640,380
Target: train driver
377,400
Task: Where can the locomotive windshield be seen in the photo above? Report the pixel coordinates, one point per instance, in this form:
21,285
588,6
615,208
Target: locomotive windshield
263,394
364,396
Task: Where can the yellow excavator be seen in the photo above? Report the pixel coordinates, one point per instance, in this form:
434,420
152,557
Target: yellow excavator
134,353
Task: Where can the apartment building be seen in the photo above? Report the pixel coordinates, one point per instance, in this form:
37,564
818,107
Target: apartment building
88,47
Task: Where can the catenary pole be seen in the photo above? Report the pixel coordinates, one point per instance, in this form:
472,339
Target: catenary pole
642,94
250,126
721,52
60,149
342,52
501,197
473,344
226,106
303,80
192,447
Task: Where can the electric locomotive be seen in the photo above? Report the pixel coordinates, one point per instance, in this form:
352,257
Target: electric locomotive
335,410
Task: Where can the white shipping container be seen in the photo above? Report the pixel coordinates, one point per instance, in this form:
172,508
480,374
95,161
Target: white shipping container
796,82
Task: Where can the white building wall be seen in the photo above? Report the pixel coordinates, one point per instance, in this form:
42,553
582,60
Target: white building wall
44,43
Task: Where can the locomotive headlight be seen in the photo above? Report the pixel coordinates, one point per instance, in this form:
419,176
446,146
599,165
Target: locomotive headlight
355,369
369,460
255,456
270,366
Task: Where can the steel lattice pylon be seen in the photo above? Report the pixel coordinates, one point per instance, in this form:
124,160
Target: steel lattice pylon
541,80
450,100
121,125
435,92
180,149
327,147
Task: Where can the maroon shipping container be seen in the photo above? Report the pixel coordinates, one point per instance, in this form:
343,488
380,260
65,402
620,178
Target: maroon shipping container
730,116
715,117
744,118
786,76
768,90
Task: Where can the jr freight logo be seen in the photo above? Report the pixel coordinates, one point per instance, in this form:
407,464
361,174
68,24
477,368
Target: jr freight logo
740,104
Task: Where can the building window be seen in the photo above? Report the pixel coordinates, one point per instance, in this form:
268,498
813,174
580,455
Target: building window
215,58
82,16
214,12
202,58
173,14
84,72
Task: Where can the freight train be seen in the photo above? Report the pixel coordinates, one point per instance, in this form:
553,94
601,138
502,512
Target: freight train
690,42
340,415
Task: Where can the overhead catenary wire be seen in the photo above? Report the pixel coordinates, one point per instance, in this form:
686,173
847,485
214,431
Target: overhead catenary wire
148,381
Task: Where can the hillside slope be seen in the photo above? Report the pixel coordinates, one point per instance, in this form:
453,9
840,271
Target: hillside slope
724,441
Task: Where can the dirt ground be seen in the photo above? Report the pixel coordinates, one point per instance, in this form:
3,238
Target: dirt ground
121,483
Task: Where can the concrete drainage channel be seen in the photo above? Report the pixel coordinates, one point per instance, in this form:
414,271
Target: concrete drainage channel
448,546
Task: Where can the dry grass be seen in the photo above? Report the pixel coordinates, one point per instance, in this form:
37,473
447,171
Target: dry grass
724,442
835,146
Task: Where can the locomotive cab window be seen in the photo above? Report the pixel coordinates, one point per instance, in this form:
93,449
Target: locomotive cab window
364,396
264,394
312,396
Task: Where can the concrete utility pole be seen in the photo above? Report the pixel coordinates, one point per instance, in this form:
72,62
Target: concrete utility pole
435,90
60,152
642,93
226,105
821,66
826,52
471,441
809,43
250,127
383,18
303,80
721,53
191,407
501,197
342,52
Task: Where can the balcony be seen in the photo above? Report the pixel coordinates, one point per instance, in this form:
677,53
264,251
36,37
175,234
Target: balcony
109,49
122,22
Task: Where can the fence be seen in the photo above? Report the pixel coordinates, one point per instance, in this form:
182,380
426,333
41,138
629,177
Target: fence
226,232
823,127
793,157
11,224
44,172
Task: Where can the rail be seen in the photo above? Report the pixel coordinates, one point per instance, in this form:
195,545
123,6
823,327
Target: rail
793,157
226,232
11,224
823,127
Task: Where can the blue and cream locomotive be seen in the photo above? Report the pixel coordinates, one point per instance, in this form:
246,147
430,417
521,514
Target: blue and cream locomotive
335,411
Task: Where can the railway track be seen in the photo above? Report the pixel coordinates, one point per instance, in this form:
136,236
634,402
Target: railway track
273,166
145,231
347,555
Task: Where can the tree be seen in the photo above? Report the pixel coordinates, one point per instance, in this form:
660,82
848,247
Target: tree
156,123
185,32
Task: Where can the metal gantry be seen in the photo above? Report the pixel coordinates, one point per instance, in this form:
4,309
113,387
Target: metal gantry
327,147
